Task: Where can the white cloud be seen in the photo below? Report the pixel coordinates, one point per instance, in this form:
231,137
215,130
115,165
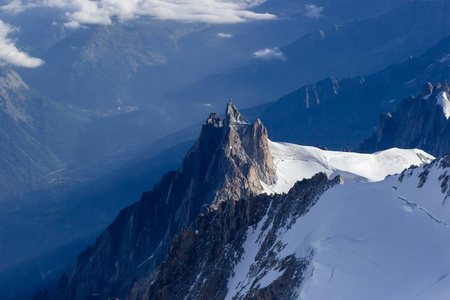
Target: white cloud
102,12
269,54
17,6
9,54
225,35
312,11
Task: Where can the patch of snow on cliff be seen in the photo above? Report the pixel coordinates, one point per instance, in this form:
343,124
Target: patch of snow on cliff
442,100
240,281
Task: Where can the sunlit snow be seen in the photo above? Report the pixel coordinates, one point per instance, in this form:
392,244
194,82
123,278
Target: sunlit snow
373,240
294,162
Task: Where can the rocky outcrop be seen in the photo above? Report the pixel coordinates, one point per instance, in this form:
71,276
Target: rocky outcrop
201,262
420,122
228,161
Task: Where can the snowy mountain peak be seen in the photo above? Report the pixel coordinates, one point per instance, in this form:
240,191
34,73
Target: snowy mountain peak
229,160
222,186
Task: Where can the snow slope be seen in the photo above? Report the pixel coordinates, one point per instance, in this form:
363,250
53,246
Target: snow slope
294,163
373,240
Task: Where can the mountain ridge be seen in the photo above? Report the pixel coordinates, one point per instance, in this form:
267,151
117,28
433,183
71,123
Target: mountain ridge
37,135
418,122
306,243
231,160
327,110
222,164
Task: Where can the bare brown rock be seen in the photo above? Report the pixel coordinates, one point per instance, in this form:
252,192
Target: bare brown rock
228,161
199,266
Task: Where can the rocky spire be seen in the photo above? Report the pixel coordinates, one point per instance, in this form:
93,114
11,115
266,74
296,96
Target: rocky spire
229,160
426,90
233,116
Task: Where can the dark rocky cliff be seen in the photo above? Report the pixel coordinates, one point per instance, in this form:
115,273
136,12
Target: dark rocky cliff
201,261
228,161
419,122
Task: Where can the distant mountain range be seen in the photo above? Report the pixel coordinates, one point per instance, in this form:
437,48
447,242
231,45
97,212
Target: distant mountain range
104,68
345,50
339,113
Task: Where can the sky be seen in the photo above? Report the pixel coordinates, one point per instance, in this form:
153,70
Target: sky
78,13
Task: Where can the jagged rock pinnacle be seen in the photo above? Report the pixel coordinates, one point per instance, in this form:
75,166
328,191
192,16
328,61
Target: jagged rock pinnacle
233,116
426,90
229,161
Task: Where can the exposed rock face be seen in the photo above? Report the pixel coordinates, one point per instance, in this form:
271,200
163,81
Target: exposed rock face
420,122
338,113
283,247
37,136
228,161
201,262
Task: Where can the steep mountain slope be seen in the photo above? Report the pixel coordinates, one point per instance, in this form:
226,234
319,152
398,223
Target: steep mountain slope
356,241
73,212
68,217
420,122
339,113
231,159
36,135
360,47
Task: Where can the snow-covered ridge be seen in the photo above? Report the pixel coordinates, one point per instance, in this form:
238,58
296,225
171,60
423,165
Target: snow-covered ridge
294,163
378,240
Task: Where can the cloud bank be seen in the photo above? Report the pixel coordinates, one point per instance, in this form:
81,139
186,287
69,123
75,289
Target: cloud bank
78,13
9,54
312,11
269,54
103,12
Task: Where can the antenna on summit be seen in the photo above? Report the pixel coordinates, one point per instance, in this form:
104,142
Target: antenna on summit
230,101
